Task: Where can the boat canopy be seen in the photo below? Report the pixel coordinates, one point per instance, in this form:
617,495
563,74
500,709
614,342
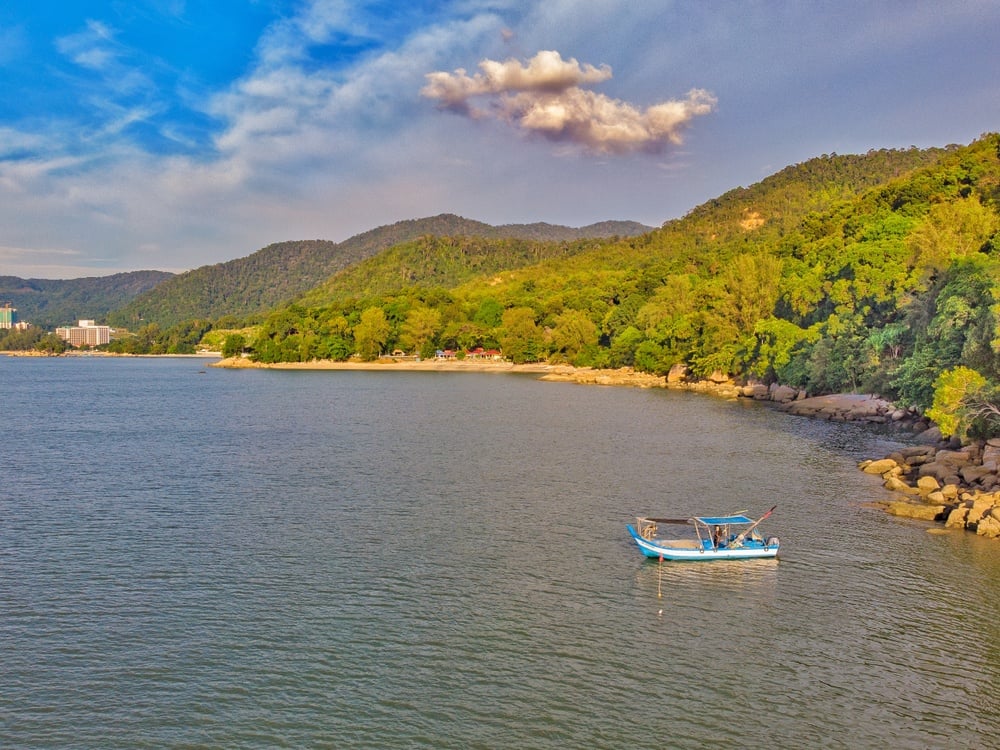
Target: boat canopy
722,520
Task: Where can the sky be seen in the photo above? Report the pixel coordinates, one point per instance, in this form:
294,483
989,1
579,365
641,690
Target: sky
172,134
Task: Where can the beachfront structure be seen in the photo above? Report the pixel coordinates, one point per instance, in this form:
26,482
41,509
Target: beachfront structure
480,353
87,333
8,316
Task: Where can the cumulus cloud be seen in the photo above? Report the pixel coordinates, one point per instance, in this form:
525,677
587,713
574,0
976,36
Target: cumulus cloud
546,97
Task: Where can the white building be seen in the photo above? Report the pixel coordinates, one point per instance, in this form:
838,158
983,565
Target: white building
85,334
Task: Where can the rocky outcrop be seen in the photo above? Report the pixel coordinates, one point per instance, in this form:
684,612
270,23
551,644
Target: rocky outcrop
852,407
959,487
838,407
589,376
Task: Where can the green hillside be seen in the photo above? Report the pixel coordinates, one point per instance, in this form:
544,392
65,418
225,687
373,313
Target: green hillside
874,272
49,303
433,261
251,286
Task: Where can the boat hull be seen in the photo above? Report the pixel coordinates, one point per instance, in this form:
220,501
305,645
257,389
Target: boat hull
657,548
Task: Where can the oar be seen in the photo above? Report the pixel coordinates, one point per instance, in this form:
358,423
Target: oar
669,520
743,535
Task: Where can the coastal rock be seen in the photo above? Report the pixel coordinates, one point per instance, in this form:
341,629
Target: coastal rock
930,436
915,510
879,467
981,506
974,474
960,501
935,469
898,485
782,393
928,484
989,525
991,454
677,374
842,408
957,518
955,457
914,451
621,376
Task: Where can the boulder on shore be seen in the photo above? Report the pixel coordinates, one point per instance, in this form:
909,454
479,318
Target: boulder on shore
939,491
915,510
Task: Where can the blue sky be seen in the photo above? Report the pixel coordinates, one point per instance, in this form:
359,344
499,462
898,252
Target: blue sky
171,134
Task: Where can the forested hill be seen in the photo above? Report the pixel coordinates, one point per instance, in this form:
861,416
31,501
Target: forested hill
48,303
257,283
431,261
877,273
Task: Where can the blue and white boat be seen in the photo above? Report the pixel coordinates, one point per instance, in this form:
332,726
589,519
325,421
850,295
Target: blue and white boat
734,537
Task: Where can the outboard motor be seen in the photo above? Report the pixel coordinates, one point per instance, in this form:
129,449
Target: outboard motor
772,541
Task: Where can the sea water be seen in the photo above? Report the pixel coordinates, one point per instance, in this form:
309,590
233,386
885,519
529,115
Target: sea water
192,557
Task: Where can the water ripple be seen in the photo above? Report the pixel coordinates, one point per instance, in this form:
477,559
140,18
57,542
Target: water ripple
355,560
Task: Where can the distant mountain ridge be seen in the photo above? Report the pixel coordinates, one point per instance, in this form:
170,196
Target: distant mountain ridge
257,283
53,302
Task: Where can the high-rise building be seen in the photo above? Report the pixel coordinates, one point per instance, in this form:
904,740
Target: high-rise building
8,316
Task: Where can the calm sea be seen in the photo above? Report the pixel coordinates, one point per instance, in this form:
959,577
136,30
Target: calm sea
195,558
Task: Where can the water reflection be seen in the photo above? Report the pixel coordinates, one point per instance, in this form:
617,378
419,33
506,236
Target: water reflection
718,577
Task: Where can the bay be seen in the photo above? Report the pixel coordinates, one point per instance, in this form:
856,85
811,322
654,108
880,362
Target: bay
192,557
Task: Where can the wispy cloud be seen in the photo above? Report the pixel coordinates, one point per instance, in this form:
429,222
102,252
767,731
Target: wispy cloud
16,143
546,97
48,263
91,47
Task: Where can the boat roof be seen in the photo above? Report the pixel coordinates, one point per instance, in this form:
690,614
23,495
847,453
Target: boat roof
721,520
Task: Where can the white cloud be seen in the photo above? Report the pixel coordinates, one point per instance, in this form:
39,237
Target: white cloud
546,97
289,39
90,48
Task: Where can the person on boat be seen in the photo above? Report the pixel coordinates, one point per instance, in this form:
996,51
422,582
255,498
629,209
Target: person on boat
717,538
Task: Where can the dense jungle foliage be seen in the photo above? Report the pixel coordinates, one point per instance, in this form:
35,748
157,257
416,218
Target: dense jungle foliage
877,273
248,288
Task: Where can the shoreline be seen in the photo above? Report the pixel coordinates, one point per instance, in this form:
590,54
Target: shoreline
424,365
624,376
99,354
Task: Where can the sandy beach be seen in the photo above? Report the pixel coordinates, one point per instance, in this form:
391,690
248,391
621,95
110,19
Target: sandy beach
560,373
386,365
